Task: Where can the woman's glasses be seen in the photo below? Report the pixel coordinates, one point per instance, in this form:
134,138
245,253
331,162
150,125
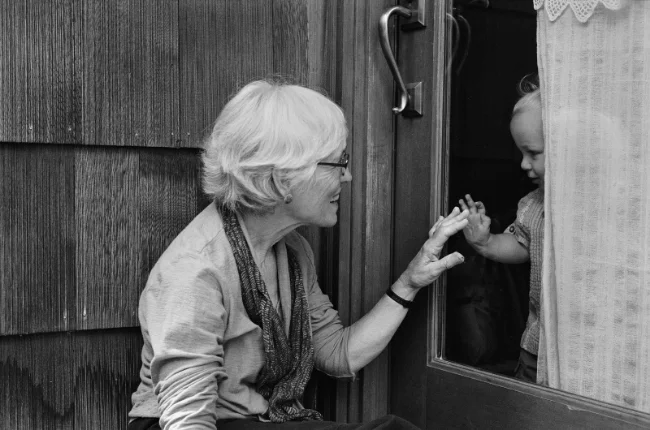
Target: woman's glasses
343,163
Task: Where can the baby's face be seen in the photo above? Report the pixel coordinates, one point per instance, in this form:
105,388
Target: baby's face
526,129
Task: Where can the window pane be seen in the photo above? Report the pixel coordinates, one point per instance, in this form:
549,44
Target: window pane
487,302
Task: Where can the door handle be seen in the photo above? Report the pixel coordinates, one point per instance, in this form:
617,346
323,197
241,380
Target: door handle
410,95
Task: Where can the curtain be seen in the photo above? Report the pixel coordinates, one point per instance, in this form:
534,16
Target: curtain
583,9
595,81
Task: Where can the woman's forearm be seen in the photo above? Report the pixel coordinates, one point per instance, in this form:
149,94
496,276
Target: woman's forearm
370,335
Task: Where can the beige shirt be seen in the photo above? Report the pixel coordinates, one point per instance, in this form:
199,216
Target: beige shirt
201,353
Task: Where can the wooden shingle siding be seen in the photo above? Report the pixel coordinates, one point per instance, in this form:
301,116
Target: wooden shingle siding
74,380
223,46
40,71
131,88
82,228
37,246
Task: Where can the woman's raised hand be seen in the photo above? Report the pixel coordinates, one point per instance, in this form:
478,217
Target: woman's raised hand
477,232
427,265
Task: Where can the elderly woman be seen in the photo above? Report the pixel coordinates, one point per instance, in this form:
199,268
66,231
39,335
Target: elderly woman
232,316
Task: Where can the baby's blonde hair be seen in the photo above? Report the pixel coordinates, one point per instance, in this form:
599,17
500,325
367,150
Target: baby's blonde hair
529,92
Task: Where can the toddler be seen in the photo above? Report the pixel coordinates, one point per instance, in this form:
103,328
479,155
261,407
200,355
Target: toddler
523,240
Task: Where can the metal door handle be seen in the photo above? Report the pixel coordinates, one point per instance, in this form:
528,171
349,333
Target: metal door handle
388,53
410,95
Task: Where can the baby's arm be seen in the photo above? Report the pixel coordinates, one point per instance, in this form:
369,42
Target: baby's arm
503,248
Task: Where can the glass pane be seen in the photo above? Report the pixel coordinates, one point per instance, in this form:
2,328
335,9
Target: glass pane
487,302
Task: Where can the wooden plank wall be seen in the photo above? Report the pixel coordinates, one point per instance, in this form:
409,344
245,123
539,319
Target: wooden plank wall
104,104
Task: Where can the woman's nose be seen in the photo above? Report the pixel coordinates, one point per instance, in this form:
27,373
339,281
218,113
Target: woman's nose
525,164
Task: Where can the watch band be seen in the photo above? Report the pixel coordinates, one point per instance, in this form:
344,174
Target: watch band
406,303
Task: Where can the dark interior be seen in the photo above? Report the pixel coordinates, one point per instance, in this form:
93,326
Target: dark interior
487,302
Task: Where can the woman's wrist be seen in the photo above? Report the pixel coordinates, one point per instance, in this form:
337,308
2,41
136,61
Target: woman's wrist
403,290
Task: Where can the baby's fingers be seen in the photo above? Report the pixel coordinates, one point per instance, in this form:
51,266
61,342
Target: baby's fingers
470,204
481,208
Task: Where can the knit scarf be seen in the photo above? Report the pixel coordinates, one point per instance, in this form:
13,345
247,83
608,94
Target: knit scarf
288,362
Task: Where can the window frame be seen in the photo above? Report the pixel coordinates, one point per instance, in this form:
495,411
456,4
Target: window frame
436,312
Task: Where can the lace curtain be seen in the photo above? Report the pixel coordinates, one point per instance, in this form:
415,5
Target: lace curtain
583,9
595,81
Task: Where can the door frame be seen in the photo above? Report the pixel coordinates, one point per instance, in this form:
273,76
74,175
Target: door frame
366,210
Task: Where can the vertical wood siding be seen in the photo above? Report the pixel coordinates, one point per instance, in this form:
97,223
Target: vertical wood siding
130,74
224,45
75,380
37,253
40,71
82,228
13,64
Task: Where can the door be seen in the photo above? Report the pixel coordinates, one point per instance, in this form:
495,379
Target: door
430,169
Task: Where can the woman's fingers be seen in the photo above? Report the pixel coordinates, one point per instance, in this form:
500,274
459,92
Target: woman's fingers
449,261
424,270
455,217
426,266
463,205
444,222
436,225
443,230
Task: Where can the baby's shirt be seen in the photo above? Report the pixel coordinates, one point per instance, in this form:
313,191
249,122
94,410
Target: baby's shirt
528,229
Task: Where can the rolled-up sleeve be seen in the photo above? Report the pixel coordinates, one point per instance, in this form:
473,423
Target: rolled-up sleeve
185,317
329,335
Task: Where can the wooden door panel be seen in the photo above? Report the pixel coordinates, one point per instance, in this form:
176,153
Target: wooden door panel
367,203
458,397
420,196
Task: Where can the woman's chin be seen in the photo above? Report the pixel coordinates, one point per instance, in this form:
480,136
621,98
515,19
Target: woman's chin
329,221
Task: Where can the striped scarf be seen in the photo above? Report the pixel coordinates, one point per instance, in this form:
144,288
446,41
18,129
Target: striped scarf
288,361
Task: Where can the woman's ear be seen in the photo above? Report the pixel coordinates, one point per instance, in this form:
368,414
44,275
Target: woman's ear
279,184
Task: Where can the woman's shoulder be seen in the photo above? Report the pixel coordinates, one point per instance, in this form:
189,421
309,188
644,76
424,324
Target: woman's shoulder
201,245
199,235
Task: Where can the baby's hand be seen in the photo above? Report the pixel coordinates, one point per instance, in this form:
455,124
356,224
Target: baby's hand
477,231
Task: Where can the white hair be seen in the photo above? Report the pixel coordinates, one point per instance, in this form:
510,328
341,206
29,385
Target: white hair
268,138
